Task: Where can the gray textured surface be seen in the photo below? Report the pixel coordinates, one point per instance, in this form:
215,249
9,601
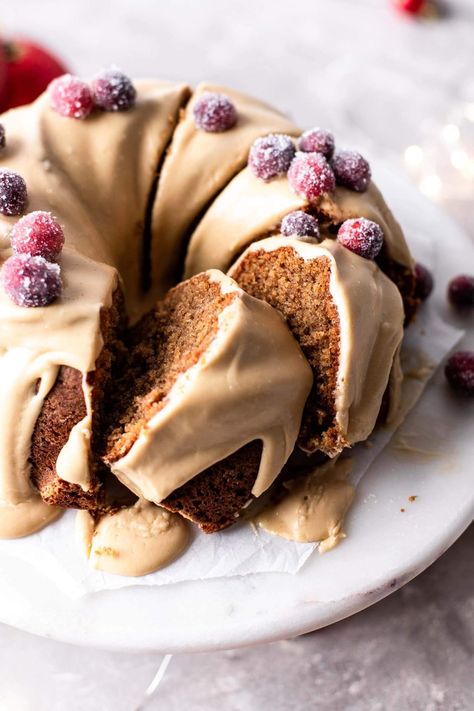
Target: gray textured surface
376,78
413,651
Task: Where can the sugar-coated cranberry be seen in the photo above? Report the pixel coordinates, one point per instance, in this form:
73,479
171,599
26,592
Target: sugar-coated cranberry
459,371
300,224
461,291
39,235
361,236
71,97
31,281
351,170
13,193
2,136
112,90
214,112
271,156
310,175
317,140
423,282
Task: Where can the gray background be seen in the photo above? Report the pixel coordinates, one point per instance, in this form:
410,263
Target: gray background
382,82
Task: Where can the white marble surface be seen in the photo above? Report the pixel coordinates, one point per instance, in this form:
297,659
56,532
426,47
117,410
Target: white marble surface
379,80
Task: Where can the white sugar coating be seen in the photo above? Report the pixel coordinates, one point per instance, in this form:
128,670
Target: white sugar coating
13,192
351,170
271,155
310,175
300,224
38,233
113,90
31,281
317,140
361,236
214,112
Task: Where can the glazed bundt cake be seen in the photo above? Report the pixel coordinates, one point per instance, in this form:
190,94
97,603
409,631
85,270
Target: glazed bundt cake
194,401
325,292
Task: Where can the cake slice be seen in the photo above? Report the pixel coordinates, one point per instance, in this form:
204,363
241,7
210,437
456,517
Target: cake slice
205,411
347,317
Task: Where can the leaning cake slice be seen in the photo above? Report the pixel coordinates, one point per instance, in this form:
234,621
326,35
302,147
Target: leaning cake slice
207,407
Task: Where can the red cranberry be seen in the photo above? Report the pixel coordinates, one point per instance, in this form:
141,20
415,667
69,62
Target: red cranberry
310,175
413,7
113,91
361,236
2,136
461,291
31,281
351,170
317,140
71,97
39,235
214,112
459,371
300,224
423,282
271,156
13,193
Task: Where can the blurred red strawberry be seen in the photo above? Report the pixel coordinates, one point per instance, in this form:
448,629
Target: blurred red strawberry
28,68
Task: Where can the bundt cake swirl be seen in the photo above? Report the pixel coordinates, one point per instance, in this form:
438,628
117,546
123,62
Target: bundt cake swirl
143,196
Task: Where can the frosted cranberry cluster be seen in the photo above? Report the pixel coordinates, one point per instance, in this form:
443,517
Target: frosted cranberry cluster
312,164
110,90
31,276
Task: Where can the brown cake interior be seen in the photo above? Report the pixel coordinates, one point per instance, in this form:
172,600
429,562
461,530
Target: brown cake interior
299,289
64,407
165,343
215,498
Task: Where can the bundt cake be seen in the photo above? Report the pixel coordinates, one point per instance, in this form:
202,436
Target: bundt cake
194,401
325,292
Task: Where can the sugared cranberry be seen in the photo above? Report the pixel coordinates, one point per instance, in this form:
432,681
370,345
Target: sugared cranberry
271,156
351,170
459,371
71,97
2,136
113,91
39,235
310,175
31,281
317,140
300,224
13,193
461,291
361,236
423,282
214,112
